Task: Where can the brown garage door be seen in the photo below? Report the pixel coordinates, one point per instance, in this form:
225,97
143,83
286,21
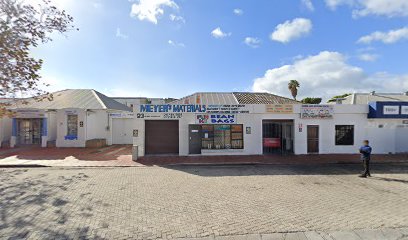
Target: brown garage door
162,137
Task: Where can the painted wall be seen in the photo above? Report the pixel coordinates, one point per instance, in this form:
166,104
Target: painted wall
52,126
5,129
343,115
97,126
388,135
62,128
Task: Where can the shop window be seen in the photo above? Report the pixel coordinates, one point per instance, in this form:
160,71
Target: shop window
72,127
222,137
344,135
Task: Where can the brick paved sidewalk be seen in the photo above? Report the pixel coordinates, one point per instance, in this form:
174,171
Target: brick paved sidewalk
120,156
361,234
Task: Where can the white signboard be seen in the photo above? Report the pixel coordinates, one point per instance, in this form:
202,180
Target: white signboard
404,110
29,113
122,115
316,111
391,110
159,115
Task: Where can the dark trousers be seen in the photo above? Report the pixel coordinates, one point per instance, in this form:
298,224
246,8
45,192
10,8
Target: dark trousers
366,164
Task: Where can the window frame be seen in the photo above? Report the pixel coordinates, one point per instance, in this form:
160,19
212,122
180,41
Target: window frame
345,130
211,138
69,125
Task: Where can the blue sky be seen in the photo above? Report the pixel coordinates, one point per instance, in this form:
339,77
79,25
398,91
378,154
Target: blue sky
172,48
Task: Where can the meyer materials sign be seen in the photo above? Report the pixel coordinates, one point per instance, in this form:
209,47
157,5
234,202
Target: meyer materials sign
191,108
216,118
279,108
316,111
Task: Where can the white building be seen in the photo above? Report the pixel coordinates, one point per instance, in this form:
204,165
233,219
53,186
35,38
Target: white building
247,124
209,124
387,123
74,118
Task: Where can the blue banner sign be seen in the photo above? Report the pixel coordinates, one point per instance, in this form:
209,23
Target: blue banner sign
187,108
388,110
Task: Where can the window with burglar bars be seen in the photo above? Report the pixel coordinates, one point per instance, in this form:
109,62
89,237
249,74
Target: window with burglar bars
345,135
222,136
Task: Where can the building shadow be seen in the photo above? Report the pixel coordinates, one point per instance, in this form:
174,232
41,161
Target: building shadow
299,169
108,153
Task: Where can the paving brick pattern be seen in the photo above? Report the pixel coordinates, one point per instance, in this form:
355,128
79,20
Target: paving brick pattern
193,202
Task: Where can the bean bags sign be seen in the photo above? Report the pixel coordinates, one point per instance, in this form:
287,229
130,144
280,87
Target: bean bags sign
216,118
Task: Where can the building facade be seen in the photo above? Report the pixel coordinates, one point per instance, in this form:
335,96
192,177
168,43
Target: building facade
73,118
211,128
208,124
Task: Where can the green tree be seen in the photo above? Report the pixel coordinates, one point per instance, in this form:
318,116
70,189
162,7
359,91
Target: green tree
311,100
334,99
24,26
293,86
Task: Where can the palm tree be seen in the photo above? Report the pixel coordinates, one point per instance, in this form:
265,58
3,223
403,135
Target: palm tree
293,86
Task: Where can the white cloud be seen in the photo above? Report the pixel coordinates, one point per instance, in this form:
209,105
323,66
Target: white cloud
327,74
252,42
368,57
218,33
175,44
176,18
290,30
150,10
119,34
361,8
238,11
308,4
386,37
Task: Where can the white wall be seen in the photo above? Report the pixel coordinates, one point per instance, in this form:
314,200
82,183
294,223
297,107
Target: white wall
5,129
62,128
344,115
52,126
387,135
97,125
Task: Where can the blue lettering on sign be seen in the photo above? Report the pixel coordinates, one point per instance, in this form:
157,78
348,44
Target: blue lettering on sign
222,118
173,108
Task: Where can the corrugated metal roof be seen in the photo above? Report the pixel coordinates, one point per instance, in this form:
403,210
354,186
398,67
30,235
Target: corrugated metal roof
208,98
74,98
234,98
365,98
262,98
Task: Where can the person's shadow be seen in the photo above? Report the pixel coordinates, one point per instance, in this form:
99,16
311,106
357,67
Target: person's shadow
390,179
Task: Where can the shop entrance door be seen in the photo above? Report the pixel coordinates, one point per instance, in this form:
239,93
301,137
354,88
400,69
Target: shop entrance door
29,131
312,139
194,139
277,136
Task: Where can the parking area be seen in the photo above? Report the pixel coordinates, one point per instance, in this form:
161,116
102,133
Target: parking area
199,201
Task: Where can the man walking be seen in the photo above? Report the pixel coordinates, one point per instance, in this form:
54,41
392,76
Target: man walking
365,151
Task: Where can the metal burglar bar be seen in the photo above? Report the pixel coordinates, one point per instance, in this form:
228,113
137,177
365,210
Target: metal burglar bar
277,136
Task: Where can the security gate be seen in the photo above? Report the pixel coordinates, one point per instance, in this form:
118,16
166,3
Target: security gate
29,131
277,136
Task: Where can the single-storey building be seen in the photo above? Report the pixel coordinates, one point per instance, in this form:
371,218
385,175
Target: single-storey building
247,124
387,121
73,118
206,123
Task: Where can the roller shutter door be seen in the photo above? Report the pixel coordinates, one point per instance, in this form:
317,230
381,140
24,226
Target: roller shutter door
162,137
